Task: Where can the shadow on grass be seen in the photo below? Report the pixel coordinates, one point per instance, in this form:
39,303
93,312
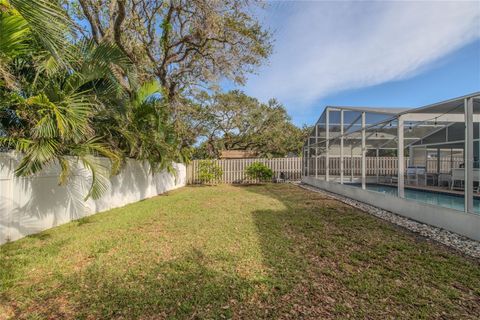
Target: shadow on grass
184,288
355,265
320,259
14,258
191,285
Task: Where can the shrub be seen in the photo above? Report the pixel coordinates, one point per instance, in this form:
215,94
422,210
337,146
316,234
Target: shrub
259,171
209,172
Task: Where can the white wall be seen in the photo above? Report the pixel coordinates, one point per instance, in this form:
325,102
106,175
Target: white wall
30,205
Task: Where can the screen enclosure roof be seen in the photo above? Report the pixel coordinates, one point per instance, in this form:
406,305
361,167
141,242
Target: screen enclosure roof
381,124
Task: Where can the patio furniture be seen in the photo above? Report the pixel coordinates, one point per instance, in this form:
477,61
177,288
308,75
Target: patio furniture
413,176
389,179
431,179
416,175
444,178
458,175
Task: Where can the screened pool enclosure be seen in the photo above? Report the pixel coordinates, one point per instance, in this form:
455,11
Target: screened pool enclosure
428,156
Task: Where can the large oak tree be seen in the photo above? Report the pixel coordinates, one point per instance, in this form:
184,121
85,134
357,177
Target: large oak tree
183,43
236,121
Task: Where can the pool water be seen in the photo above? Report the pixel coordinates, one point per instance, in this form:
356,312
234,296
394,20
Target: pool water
431,197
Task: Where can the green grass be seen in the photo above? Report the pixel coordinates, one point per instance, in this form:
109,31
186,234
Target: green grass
271,251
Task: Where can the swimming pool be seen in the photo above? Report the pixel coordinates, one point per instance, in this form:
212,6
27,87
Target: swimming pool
431,197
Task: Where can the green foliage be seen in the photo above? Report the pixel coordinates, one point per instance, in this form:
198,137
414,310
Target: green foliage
235,121
209,172
61,111
14,34
49,23
80,81
259,171
52,124
182,43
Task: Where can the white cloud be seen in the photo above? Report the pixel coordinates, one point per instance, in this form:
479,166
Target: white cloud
326,47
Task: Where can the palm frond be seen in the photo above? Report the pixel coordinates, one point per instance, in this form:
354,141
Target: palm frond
78,108
115,159
48,21
106,54
99,182
67,119
13,35
45,128
95,147
149,90
19,144
87,152
65,170
96,62
47,64
40,154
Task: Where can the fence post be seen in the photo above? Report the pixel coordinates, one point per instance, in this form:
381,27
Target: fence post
341,147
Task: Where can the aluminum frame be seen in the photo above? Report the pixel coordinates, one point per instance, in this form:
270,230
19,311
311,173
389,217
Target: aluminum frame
389,133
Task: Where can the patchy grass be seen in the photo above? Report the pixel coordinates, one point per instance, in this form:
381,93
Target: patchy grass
267,251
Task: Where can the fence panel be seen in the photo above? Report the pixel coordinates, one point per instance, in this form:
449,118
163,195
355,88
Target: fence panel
31,204
234,169
291,168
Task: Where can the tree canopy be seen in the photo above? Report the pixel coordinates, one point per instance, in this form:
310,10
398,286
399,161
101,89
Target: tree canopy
235,121
182,43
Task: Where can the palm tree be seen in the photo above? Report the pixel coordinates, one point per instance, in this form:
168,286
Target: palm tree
156,140
22,19
61,102
47,116
140,126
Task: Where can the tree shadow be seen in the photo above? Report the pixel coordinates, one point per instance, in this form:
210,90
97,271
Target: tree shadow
319,259
187,287
299,262
191,285
342,262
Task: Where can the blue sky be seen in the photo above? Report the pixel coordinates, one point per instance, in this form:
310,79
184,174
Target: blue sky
397,54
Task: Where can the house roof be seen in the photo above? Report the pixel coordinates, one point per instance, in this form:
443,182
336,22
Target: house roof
237,154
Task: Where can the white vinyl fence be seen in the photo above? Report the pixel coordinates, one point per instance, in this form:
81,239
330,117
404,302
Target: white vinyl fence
289,169
382,166
30,205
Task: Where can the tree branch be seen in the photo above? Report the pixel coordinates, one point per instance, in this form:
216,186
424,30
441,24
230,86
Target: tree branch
93,25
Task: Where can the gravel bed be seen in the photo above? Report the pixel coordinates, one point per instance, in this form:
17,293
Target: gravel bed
465,245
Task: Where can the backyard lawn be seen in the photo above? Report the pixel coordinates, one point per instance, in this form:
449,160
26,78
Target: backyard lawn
269,251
